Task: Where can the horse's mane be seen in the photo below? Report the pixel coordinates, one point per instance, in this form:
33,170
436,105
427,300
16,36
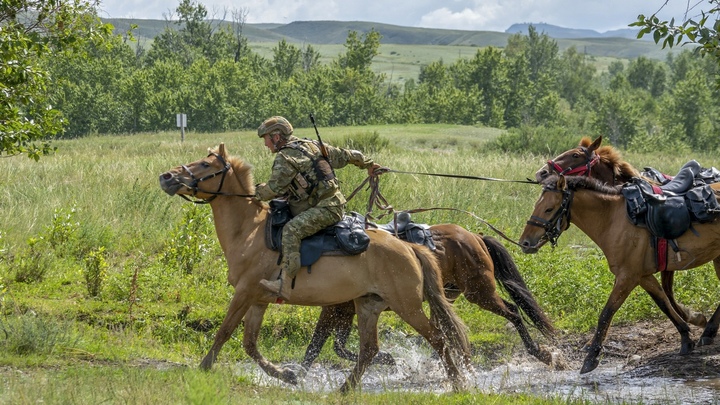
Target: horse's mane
581,183
242,171
612,157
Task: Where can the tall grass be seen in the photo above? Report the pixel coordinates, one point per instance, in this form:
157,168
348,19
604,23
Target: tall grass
157,294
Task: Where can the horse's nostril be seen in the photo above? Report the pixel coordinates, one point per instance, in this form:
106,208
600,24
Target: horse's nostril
166,176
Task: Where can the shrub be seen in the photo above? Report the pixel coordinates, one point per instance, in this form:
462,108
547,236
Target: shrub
191,240
367,142
33,264
29,334
95,270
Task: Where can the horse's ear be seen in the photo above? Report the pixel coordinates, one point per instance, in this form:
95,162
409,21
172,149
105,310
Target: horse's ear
221,149
596,143
561,183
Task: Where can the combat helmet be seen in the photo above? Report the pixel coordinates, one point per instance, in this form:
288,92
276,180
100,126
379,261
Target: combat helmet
275,123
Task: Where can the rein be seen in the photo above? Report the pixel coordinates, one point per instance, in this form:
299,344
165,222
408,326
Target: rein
377,200
460,176
591,158
195,181
553,227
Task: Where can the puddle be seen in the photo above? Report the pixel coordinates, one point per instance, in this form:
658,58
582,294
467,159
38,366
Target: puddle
418,371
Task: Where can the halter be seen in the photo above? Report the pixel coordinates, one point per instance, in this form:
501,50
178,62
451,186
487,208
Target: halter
195,181
591,158
553,227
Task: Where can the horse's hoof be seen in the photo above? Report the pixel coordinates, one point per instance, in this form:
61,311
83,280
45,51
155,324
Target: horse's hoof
299,370
705,341
687,348
288,376
544,356
206,364
384,358
589,365
697,319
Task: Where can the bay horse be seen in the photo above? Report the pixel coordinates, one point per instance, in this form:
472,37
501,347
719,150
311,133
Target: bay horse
471,264
390,274
605,163
599,211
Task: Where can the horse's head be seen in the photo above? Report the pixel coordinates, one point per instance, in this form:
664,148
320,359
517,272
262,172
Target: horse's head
550,217
203,179
576,161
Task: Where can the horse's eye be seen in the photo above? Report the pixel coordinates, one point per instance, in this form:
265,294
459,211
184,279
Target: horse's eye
549,210
576,155
205,165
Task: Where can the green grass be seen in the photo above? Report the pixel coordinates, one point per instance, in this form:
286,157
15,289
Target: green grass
163,297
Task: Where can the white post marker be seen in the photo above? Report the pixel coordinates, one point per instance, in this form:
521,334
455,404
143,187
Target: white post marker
181,123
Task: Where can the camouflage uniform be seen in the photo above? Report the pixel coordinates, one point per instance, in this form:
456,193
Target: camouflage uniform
315,203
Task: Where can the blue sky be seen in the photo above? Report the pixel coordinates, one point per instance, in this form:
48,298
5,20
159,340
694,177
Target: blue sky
475,15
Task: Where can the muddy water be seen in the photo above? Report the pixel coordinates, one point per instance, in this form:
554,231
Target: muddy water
418,370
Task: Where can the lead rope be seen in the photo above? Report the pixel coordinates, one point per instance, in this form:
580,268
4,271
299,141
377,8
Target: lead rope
377,200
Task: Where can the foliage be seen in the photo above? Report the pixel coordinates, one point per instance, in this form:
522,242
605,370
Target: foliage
702,32
95,271
28,334
369,142
31,30
191,240
32,264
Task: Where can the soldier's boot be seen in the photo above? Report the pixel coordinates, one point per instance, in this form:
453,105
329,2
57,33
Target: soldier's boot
282,286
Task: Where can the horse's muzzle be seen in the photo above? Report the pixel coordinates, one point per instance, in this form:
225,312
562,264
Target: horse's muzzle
169,183
528,247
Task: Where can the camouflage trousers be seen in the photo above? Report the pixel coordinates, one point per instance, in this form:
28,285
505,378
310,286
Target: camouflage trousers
305,224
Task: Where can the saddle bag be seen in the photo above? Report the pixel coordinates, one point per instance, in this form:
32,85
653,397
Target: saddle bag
350,234
635,203
702,204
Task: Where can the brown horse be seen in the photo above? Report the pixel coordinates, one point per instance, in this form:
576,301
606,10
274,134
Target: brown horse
605,163
471,263
599,211
391,273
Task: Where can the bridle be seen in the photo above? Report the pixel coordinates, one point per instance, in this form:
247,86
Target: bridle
554,226
194,185
591,158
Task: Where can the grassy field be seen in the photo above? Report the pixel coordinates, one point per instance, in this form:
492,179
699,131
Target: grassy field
106,282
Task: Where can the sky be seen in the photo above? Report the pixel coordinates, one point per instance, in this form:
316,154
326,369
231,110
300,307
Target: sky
472,15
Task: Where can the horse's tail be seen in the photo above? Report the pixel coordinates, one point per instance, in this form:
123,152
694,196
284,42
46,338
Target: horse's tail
442,314
509,277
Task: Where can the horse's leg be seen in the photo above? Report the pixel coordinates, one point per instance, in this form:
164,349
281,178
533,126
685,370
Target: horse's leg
329,320
491,301
621,289
253,321
711,329
368,309
693,318
651,286
237,309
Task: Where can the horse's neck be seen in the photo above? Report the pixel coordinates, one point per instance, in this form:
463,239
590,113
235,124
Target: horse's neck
597,214
238,220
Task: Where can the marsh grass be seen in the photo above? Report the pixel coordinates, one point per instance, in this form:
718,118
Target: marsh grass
163,292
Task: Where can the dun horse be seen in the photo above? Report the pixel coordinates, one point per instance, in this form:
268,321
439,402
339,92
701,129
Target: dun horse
599,211
391,273
471,263
605,163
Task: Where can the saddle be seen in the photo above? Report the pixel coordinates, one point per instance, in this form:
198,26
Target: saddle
668,210
345,238
404,228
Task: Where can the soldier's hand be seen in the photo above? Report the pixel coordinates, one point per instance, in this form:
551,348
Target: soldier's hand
376,169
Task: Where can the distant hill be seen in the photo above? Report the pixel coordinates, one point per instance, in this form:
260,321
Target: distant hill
555,31
616,44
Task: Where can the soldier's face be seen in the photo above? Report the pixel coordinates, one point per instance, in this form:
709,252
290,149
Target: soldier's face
271,141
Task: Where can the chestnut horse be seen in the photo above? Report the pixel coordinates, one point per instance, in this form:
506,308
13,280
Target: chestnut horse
599,211
391,273
471,264
605,163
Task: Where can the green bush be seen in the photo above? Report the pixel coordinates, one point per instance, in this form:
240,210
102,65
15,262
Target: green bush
366,142
544,141
192,239
29,334
95,271
33,264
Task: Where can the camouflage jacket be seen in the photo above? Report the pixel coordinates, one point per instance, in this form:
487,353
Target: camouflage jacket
294,175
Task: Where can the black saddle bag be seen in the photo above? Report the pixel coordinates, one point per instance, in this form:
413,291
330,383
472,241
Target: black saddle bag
350,234
702,204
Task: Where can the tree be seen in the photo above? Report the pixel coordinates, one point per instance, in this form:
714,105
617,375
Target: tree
31,30
702,31
286,59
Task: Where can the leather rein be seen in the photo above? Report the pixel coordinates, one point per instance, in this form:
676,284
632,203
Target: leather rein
194,185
